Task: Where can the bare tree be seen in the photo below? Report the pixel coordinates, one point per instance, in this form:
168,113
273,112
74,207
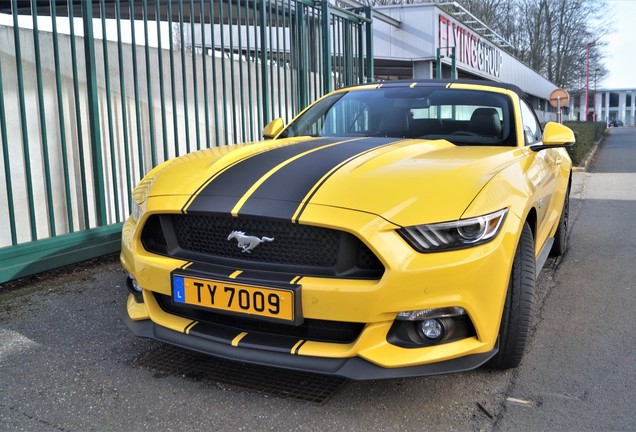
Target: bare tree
549,35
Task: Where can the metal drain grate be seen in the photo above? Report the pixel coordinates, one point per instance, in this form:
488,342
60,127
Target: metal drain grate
169,360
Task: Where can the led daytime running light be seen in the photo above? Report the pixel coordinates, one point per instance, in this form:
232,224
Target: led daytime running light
424,314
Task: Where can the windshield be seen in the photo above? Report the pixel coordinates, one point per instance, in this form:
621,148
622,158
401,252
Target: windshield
462,117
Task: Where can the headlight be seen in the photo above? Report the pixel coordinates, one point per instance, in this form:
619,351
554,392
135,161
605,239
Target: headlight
136,211
140,193
454,235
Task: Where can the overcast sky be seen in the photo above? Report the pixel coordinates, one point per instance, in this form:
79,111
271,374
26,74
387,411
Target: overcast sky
621,48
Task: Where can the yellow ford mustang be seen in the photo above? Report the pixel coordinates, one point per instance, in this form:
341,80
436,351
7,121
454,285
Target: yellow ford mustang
389,230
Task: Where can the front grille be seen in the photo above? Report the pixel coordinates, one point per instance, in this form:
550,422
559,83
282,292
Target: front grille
311,329
300,249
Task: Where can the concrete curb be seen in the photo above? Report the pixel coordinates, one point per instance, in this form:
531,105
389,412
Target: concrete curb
583,165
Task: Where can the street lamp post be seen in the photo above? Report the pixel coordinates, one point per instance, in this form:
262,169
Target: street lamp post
595,73
587,77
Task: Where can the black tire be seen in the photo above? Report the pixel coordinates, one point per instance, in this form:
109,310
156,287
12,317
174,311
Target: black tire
561,236
515,321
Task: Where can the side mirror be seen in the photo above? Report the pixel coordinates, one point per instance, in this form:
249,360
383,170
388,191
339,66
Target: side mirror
555,135
273,128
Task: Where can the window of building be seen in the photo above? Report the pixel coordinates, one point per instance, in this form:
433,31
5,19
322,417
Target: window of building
613,99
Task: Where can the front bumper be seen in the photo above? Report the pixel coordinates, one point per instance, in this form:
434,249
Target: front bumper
354,368
474,279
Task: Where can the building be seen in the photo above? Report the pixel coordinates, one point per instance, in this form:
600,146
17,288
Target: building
421,47
609,104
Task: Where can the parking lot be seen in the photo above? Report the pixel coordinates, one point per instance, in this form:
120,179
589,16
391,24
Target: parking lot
67,363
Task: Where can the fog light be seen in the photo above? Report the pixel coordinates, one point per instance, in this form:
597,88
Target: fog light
432,329
135,286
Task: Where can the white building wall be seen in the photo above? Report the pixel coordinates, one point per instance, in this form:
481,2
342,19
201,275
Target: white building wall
624,111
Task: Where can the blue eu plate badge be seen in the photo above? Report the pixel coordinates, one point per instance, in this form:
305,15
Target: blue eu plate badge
178,289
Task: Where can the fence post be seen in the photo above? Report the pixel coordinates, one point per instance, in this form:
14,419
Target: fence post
262,26
369,36
93,113
301,54
327,85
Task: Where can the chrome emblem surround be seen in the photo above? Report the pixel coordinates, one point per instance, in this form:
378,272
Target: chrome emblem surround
247,243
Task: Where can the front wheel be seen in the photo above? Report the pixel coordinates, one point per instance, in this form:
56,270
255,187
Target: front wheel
515,321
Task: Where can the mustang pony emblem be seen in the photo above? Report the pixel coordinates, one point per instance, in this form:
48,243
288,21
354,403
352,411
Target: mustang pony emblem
247,243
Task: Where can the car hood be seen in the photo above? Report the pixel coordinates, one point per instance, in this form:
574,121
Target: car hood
405,181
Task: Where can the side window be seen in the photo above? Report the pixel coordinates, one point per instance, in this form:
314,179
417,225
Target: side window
531,127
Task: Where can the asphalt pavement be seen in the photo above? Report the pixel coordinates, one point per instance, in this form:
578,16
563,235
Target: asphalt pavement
579,373
67,363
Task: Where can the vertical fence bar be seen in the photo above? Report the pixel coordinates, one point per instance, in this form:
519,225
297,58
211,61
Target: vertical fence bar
23,123
337,51
42,113
204,77
151,114
61,119
175,117
326,45
239,27
109,110
285,83
122,90
139,126
348,52
249,56
315,58
301,53
217,140
183,75
278,65
7,162
270,58
195,85
78,115
360,57
162,92
256,59
232,79
93,114
369,37
262,23
223,78
335,59
293,53
306,53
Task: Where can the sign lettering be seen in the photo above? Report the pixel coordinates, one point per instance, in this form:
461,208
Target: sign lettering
469,48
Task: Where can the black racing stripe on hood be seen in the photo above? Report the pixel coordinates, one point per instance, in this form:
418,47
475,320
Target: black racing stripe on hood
235,181
280,194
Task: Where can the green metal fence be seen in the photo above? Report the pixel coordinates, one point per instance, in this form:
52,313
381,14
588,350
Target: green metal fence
94,94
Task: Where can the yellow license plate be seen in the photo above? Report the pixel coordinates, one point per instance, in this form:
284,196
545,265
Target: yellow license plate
232,297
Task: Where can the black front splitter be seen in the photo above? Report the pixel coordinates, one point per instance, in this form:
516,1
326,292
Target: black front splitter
354,368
